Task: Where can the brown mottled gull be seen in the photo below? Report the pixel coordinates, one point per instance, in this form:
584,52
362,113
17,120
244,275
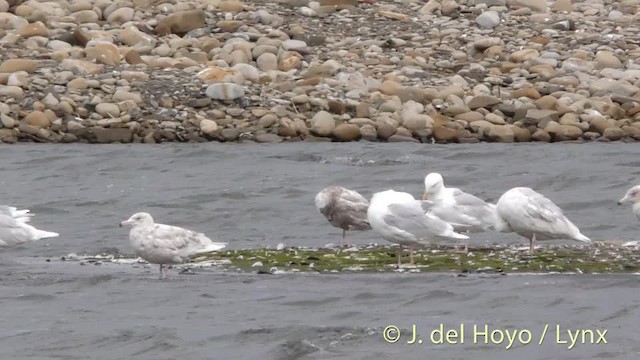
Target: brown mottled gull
345,209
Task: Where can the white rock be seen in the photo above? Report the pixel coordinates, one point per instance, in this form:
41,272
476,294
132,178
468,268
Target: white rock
267,62
225,91
488,19
572,65
57,45
73,125
615,14
266,18
123,95
323,123
307,12
18,78
208,127
50,101
294,45
249,72
107,110
7,121
121,15
11,21
15,92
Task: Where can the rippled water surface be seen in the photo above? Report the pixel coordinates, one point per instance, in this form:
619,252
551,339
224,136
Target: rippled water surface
261,195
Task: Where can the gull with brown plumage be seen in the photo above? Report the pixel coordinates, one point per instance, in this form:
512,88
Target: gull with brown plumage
345,209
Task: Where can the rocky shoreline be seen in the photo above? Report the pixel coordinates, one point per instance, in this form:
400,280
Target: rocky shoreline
102,71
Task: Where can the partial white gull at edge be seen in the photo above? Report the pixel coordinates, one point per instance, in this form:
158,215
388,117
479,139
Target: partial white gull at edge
632,196
14,229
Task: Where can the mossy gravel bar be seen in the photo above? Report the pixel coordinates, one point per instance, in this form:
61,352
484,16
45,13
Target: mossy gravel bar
603,257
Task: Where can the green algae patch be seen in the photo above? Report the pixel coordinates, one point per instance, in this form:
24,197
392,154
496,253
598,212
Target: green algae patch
600,258
609,257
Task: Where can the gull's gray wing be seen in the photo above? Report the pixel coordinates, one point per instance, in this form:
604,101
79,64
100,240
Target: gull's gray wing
410,217
483,213
183,241
541,208
527,210
467,212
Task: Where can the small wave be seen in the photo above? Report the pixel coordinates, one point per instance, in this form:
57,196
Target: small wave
344,160
35,297
300,157
315,302
295,349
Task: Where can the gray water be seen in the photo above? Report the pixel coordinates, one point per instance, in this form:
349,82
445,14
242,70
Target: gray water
261,195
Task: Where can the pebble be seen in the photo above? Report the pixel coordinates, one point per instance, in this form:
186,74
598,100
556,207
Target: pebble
208,127
322,123
225,91
488,19
346,132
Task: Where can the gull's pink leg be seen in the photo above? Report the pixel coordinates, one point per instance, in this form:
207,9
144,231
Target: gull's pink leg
344,235
163,271
531,243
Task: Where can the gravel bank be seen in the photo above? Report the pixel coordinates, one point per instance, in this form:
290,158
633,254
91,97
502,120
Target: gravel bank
335,70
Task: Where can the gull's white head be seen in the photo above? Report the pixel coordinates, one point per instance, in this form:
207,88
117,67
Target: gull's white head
433,183
632,195
138,219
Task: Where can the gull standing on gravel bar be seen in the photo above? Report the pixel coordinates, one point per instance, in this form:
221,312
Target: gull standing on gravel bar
345,209
632,196
530,214
399,218
14,229
466,212
165,244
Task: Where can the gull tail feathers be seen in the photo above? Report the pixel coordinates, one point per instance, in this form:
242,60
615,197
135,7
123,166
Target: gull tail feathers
41,234
455,235
582,238
214,246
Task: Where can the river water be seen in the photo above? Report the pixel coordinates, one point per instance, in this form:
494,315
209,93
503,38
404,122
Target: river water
262,195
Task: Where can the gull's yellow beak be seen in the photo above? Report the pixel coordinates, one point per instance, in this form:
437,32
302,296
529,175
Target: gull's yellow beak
425,196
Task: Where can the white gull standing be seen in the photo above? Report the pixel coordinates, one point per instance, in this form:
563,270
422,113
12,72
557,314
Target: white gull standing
530,214
165,244
14,229
399,218
345,209
466,212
